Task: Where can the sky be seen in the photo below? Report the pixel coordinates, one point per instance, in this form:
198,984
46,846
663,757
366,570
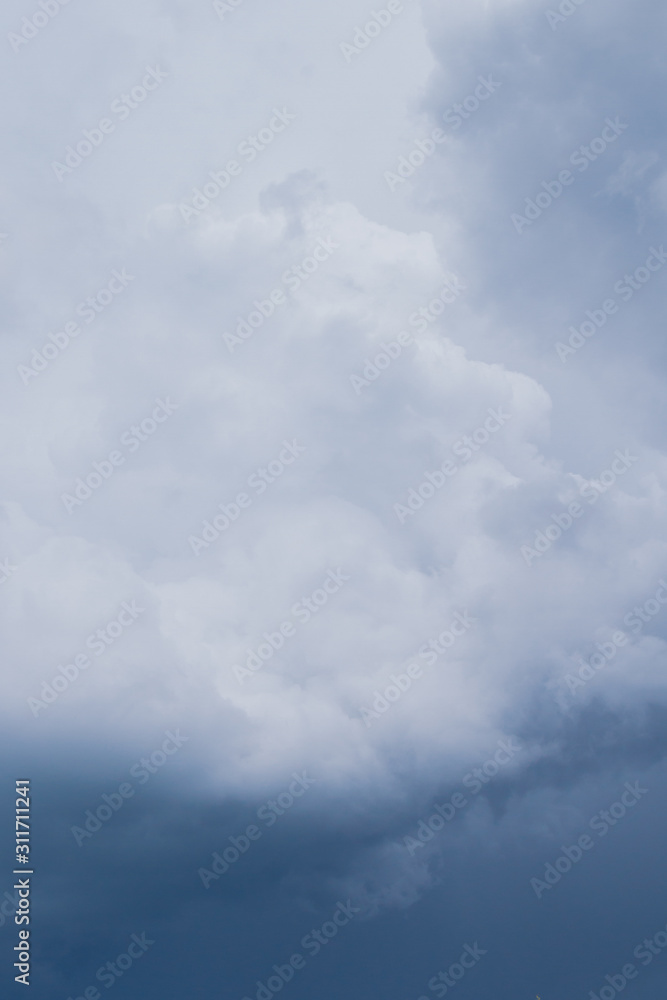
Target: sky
333,562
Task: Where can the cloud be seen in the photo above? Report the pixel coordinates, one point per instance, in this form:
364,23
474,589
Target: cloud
296,470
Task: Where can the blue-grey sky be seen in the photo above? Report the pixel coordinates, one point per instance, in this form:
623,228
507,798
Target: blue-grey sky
335,567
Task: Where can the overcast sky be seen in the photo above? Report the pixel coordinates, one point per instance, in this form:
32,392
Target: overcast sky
335,491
